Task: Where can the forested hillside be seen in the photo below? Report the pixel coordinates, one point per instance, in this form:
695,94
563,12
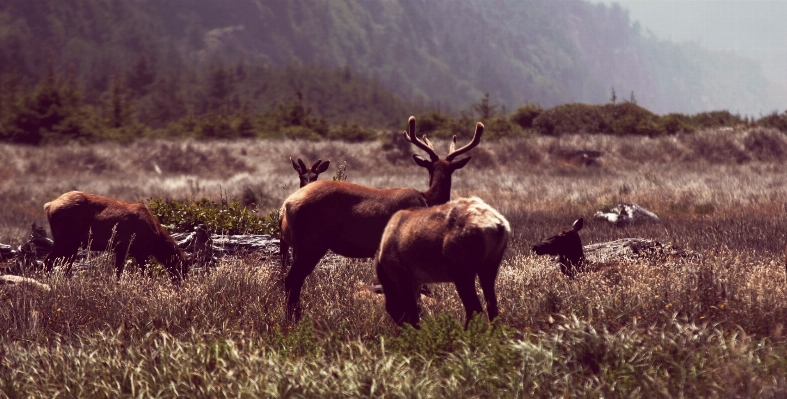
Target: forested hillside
364,62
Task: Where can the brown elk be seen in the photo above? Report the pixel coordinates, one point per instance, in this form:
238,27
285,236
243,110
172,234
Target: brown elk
309,175
568,247
306,175
349,219
80,220
453,242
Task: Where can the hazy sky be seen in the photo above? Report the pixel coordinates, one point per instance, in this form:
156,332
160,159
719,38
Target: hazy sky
754,29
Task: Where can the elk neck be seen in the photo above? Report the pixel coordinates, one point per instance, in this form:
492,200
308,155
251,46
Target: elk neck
439,191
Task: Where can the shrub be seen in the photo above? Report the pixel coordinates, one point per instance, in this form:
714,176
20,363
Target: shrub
500,127
570,119
225,217
350,132
526,114
716,119
675,123
774,120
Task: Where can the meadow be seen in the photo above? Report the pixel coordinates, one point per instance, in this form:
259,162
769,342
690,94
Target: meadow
706,326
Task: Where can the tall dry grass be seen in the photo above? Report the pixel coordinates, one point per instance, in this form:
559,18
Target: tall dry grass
721,314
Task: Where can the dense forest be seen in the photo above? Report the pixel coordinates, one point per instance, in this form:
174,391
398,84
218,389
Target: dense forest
311,68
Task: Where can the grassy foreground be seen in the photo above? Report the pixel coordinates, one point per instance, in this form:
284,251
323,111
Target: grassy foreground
706,326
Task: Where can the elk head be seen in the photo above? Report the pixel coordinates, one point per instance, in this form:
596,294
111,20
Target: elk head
309,175
567,246
440,170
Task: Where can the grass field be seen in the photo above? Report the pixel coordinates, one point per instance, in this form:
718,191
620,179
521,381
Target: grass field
710,326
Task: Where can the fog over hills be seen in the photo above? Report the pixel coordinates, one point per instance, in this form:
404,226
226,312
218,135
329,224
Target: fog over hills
753,29
440,53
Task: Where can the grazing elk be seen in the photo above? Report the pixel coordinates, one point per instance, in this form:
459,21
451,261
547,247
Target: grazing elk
453,242
568,247
349,219
309,175
79,219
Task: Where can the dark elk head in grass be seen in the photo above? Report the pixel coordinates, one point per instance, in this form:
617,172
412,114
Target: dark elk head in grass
567,246
309,175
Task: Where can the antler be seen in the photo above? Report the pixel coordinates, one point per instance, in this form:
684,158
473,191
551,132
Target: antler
479,130
424,145
316,164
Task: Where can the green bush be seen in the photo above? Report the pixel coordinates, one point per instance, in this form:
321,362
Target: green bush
350,132
774,120
526,114
716,119
225,217
676,123
571,119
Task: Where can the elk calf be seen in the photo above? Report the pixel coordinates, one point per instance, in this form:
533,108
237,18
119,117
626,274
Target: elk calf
79,220
453,242
568,247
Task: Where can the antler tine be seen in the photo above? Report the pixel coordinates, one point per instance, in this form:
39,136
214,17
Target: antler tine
303,166
426,146
453,145
479,131
316,164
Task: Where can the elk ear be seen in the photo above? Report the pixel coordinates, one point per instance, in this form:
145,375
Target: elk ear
422,162
460,163
296,166
578,224
322,167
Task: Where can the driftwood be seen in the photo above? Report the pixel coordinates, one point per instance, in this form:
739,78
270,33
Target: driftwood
626,213
633,249
10,281
201,245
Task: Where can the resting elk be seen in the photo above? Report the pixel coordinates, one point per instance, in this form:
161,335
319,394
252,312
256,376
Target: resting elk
349,219
309,175
568,247
79,219
453,242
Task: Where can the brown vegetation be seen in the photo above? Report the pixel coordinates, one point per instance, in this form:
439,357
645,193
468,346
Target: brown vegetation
731,213
724,309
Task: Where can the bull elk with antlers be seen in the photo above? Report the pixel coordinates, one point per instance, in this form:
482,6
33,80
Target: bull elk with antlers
87,220
349,219
453,242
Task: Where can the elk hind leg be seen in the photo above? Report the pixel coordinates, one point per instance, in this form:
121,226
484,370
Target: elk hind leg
465,287
393,296
487,280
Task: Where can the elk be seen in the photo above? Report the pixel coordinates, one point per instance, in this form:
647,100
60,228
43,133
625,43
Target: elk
349,219
309,175
453,242
568,247
306,175
87,220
